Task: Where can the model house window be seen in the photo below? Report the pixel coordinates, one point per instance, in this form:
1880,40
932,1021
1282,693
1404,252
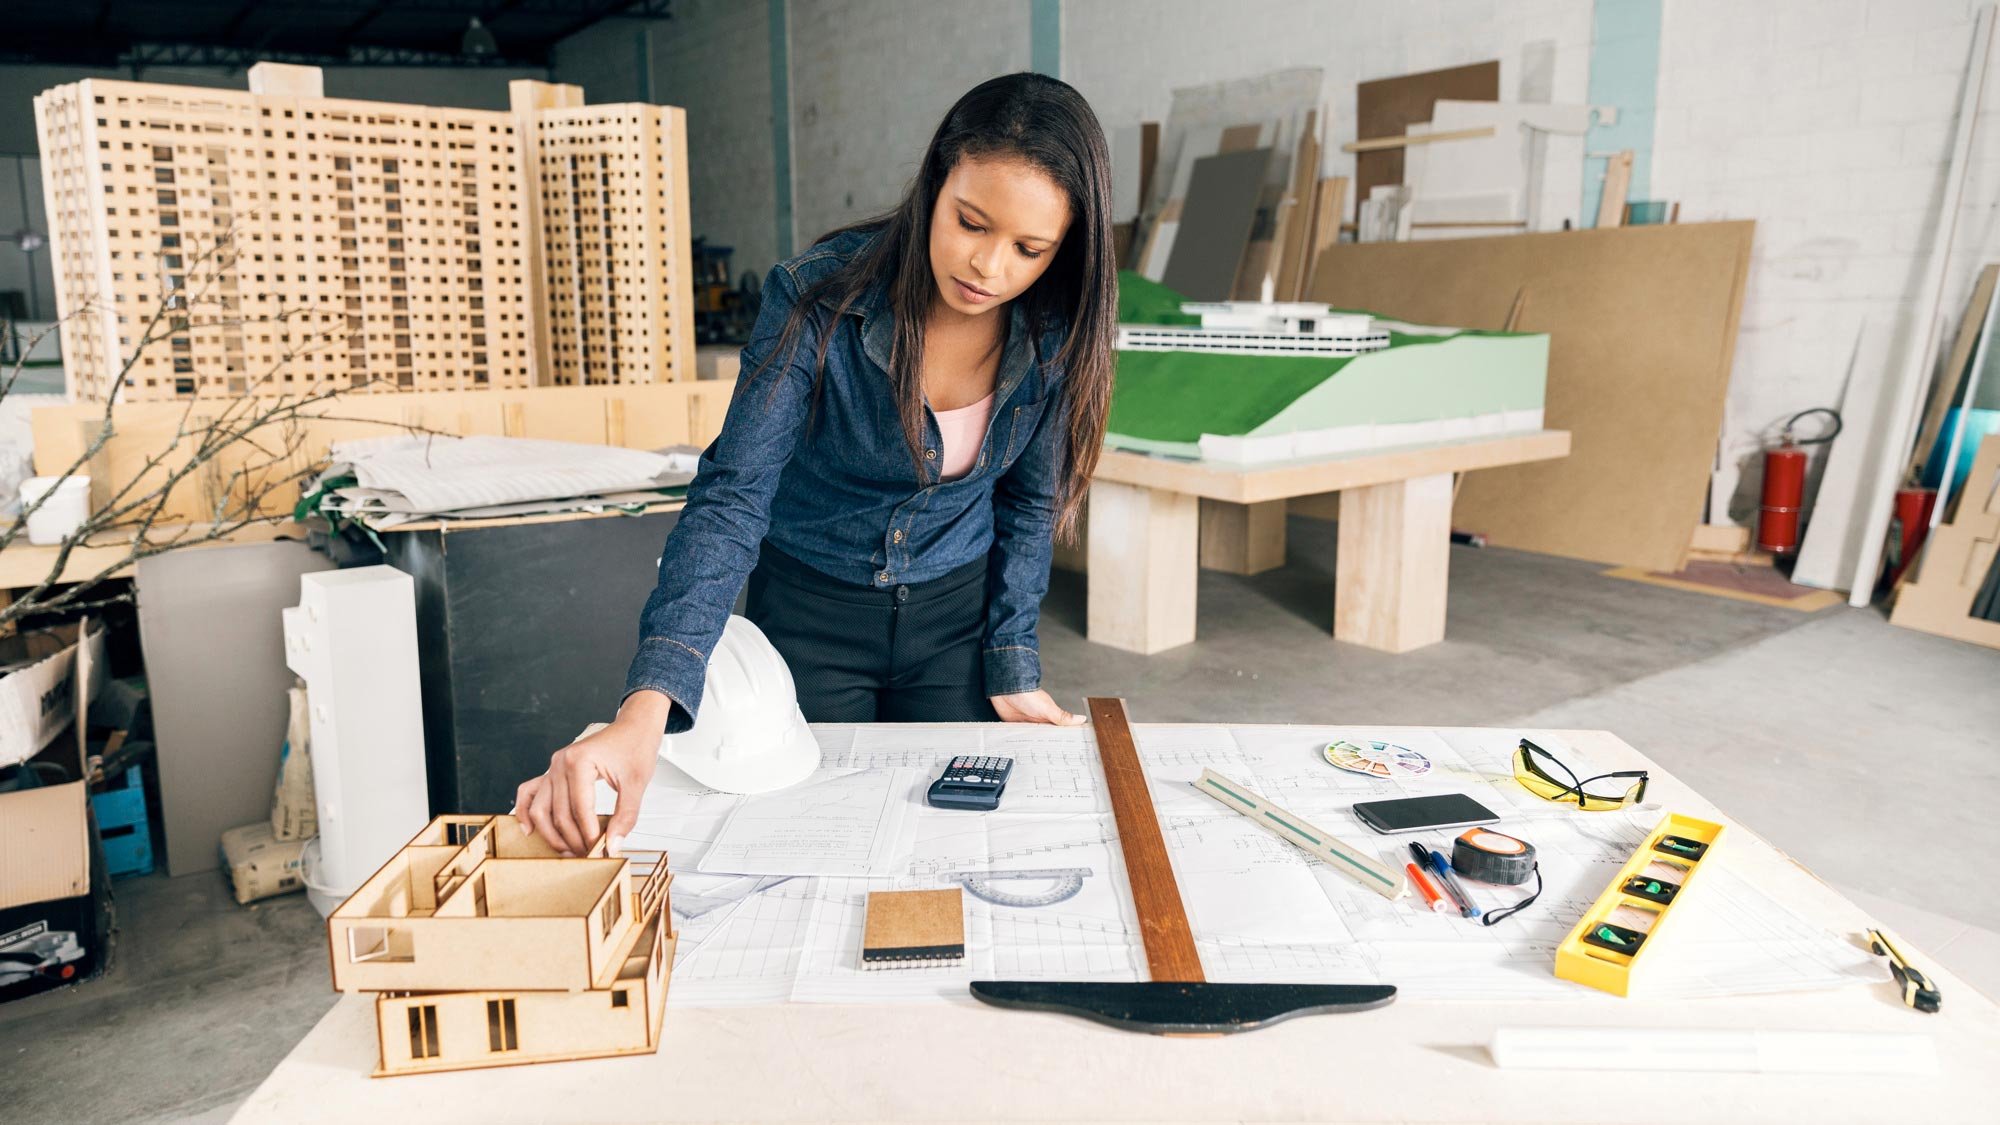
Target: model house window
459,835
379,943
612,912
618,999
424,1032
501,1031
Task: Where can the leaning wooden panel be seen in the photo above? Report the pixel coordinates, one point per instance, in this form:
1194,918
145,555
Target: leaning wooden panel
1642,328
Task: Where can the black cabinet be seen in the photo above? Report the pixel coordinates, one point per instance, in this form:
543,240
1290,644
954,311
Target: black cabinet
524,629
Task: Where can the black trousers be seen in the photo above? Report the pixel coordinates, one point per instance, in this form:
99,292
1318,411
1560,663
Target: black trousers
860,654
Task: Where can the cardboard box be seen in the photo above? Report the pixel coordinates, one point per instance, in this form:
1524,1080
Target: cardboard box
38,691
54,894
259,864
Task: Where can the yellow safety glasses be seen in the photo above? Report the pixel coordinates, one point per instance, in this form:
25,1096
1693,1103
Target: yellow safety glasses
1544,775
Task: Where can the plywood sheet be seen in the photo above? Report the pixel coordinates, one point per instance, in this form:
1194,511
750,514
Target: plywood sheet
1642,324
145,445
1215,224
1388,106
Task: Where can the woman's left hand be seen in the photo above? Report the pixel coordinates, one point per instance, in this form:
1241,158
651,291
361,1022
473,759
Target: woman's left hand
1034,707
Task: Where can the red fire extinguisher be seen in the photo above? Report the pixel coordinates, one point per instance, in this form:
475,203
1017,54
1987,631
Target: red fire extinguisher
1785,486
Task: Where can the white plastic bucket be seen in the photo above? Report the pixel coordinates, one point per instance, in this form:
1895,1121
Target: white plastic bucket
67,506
323,897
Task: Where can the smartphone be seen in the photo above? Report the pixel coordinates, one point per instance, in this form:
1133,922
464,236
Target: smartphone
1414,814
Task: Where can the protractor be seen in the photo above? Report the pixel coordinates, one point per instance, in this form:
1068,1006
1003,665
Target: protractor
1060,883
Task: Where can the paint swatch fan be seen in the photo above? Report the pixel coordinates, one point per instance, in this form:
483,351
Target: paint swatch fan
1179,999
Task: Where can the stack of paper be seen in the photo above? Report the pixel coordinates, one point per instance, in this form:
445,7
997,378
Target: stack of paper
387,481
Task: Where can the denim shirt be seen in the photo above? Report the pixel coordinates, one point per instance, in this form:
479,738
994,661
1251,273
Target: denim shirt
842,495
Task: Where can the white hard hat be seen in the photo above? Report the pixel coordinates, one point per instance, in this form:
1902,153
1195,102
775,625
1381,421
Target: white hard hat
749,735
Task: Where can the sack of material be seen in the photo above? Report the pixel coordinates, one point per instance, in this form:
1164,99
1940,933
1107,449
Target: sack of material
294,816
259,864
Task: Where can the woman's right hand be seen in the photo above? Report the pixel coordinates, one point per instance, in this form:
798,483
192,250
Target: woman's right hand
561,805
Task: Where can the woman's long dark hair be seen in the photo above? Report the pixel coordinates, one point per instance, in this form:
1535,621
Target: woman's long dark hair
1048,124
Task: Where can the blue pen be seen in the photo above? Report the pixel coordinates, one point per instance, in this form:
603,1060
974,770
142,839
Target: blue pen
1443,868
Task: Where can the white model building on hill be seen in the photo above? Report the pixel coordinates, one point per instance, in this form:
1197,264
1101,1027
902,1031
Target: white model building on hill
1259,328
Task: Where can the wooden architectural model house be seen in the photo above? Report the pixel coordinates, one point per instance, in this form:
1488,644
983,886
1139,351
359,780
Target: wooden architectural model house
487,948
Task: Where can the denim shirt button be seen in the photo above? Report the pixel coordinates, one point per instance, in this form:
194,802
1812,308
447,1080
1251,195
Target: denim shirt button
898,537
930,454
883,578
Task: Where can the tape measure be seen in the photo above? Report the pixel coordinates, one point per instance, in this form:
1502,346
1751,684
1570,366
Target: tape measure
1492,857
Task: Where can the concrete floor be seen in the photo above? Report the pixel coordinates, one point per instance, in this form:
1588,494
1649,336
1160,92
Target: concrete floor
1860,749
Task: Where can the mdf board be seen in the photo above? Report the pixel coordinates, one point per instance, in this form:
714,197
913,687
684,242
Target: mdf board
1296,218
632,416
215,667
524,634
1642,331
1945,392
1388,106
1215,224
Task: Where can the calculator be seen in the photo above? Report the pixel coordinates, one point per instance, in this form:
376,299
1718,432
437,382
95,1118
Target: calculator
971,782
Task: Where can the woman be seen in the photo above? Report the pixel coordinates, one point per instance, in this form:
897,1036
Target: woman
924,405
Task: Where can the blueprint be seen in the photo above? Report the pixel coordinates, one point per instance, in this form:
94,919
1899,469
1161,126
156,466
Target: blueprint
751,931
836,822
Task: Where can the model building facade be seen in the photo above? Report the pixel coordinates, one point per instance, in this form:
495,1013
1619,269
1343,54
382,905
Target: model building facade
489,949
293,243
607,184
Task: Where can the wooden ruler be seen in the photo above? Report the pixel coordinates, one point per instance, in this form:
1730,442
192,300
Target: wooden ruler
1179,999
1163,922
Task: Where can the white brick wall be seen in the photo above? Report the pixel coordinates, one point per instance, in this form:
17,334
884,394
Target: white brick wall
1830,123
716,54
1127,56
870,81
1827,121
714,60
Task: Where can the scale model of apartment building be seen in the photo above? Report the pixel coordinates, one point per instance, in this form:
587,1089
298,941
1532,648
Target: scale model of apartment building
368,244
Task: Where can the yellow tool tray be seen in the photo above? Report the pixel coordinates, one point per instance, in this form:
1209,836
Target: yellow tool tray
1625,921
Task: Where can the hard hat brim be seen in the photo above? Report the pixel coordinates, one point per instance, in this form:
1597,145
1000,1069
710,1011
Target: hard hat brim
791,761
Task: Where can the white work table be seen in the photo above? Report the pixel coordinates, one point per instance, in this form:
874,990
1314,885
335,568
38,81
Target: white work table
1410,1061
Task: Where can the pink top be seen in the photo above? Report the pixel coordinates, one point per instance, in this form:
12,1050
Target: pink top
962,430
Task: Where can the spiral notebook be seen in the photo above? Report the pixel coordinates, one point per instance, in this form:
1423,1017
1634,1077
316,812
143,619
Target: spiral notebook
913,929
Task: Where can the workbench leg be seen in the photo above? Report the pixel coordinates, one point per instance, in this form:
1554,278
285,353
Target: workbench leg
1143,545
1395,548
1319,506
1075,556
1242,538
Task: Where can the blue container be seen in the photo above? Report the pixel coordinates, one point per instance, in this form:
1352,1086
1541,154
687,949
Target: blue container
1978,423
122,826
